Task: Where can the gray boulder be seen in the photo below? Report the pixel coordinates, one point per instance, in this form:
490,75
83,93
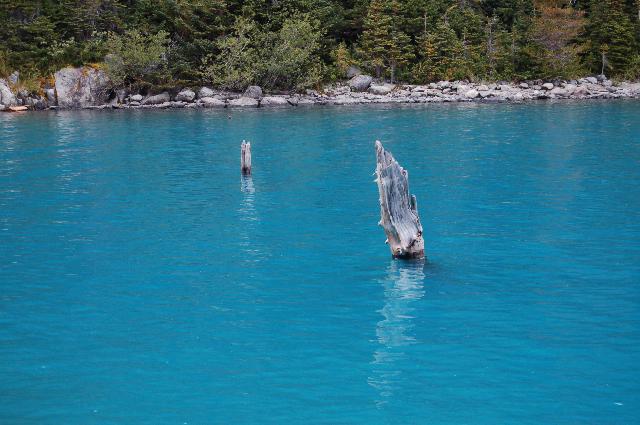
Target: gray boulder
547,86
14,77
244,101
157,99
186,96
592,80
81,87
51,95
524,86
212,102
136,98
274,101
381,89
360,82
352,71
121,95
471,94
7,98
581,91
254,92
205,92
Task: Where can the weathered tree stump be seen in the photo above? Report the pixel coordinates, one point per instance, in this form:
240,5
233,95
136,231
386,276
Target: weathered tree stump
245,158
398,209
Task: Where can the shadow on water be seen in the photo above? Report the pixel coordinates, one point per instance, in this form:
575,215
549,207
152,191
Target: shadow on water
403,286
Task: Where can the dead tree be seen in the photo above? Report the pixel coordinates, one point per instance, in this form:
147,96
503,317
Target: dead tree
245,158
398,209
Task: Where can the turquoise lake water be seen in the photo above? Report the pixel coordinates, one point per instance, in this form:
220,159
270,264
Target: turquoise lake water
143,282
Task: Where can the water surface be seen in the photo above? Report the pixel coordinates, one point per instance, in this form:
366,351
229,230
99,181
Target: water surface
143,281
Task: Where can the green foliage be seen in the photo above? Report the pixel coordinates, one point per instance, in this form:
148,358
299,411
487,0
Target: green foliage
384,45
554,34
135,57
611,43
286,59
632,72
443,56
284,44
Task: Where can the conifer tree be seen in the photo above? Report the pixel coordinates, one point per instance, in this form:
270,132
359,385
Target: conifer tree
376,35
383,43
612,43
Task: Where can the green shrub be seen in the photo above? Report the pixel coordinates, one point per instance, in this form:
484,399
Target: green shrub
134,57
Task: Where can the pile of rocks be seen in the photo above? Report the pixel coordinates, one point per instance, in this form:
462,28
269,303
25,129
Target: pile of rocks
357,91
88,88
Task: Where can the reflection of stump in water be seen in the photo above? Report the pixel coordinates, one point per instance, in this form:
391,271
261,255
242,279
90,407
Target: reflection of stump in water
248,215
246,186
403,286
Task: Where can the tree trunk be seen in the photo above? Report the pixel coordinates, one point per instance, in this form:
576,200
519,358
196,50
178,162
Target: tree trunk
398,209
245,158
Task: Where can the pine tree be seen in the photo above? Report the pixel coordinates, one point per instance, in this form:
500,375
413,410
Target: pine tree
400,50
376,35
383,43
612,43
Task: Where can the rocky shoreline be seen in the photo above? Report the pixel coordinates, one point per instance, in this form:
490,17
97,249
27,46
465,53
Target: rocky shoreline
87,88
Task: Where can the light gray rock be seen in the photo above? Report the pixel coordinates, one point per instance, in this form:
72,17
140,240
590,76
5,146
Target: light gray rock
517,97
360,82
158,99
244,102
254,92
547,86
524,86
136,98
121,95
444,84
601,78
558,91
50,95
274,101
2,107
352,71
570,88
14,77
482,87
205,92
381,89
212,102
7,98
592,80
81,87
484,93
581,91
471,94
186,95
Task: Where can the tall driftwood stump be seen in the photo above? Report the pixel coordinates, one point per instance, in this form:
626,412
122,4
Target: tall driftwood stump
245,158
398,209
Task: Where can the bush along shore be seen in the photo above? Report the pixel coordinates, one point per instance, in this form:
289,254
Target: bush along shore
89,88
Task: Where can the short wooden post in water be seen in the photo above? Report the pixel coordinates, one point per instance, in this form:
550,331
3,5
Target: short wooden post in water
398,209
245,158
